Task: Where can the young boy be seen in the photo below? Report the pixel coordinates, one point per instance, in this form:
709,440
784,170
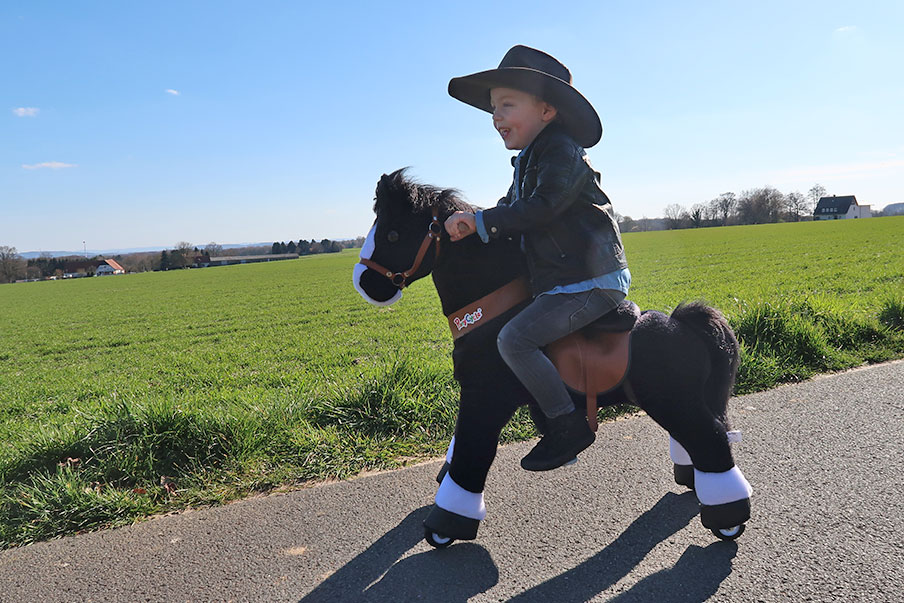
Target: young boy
577,264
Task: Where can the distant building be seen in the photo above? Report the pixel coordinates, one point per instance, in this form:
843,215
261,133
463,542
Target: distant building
838,208
894,209
227,260
109,267
200,261
88,267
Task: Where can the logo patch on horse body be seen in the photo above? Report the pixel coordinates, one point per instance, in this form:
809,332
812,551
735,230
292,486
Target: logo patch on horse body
468,319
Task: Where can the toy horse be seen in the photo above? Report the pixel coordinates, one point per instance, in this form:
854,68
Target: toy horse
679,369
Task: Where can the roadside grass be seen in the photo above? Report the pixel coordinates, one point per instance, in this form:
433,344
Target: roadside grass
130,396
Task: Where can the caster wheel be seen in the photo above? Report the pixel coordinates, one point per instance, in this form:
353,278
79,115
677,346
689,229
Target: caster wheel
435,540
729,533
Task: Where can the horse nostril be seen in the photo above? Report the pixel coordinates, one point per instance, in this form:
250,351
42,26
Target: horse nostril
392,237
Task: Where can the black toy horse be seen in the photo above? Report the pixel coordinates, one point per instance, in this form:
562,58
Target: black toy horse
681,371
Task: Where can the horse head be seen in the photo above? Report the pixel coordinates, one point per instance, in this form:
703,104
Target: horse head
404,241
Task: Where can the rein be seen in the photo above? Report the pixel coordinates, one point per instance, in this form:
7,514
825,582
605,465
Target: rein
400,279
475,314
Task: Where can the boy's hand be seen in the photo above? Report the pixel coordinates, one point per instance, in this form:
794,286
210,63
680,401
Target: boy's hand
460,224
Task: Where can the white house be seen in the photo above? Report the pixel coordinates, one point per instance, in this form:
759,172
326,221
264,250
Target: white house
838,208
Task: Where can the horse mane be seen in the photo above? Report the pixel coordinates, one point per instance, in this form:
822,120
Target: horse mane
421,198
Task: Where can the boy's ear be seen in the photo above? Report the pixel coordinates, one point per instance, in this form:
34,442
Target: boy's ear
549,113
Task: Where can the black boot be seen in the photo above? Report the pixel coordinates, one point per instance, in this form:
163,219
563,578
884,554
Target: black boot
566,436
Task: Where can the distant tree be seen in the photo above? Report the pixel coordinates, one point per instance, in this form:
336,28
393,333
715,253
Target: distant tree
275,248
816,192
290,248
796,205
760,206
725,204
674,216
213,249
330,246
697,215
303,247
164,260
12,266
46,264
182,255
627,224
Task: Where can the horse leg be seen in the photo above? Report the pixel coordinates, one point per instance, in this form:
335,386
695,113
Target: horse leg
682,465
700,437
459,505
723,491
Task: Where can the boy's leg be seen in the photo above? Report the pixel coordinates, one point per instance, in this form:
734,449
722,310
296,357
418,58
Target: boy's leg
546,319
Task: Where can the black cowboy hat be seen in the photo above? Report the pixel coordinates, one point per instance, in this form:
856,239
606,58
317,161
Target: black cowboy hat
535,72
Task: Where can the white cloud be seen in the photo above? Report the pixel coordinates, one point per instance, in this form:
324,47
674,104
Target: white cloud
26,111
846,29
52,165
173,92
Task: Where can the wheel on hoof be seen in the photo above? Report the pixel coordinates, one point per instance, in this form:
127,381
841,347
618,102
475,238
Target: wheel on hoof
729,533
730,517
435,540
446,524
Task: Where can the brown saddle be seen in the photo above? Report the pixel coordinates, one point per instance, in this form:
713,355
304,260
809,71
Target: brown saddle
595,359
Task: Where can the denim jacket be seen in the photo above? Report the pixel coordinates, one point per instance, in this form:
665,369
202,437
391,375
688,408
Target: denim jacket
570,233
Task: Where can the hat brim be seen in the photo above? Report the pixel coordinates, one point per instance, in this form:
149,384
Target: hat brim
575,112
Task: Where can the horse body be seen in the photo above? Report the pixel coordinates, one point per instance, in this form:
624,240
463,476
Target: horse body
681,370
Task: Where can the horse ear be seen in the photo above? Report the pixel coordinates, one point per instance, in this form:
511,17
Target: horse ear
383,184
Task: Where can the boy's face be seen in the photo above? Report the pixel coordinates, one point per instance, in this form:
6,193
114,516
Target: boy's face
519,116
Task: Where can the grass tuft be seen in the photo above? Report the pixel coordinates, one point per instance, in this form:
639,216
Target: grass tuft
892,313
403,399
794,340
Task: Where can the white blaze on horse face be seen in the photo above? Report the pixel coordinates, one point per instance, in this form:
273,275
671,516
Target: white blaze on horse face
367,250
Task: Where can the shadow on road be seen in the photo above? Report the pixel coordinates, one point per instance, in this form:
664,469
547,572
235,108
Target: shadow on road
454,574
695,577
464,570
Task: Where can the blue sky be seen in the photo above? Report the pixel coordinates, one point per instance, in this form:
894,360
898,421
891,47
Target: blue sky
144,124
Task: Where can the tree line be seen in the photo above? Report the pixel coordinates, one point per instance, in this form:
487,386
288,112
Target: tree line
755,206
14,267
311,247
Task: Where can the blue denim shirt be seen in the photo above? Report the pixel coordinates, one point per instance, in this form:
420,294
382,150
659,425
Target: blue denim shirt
619,280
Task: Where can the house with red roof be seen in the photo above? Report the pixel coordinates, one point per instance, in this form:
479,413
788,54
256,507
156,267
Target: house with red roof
89,267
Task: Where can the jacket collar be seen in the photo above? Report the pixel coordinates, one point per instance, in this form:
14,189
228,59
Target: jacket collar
544,134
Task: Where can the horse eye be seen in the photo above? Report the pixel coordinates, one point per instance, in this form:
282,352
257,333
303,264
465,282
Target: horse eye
393,236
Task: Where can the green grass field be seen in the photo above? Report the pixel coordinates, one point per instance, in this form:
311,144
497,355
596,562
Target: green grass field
226,381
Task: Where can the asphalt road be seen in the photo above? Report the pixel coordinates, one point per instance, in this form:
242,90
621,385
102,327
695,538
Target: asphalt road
824,458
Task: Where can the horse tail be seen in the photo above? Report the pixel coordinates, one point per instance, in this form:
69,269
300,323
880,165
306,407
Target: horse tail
713,329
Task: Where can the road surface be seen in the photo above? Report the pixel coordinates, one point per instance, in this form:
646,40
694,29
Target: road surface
824,458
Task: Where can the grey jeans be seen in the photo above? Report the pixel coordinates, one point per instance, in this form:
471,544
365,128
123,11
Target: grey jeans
548,318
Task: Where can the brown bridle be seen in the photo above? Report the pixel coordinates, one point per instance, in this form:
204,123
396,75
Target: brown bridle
400,279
